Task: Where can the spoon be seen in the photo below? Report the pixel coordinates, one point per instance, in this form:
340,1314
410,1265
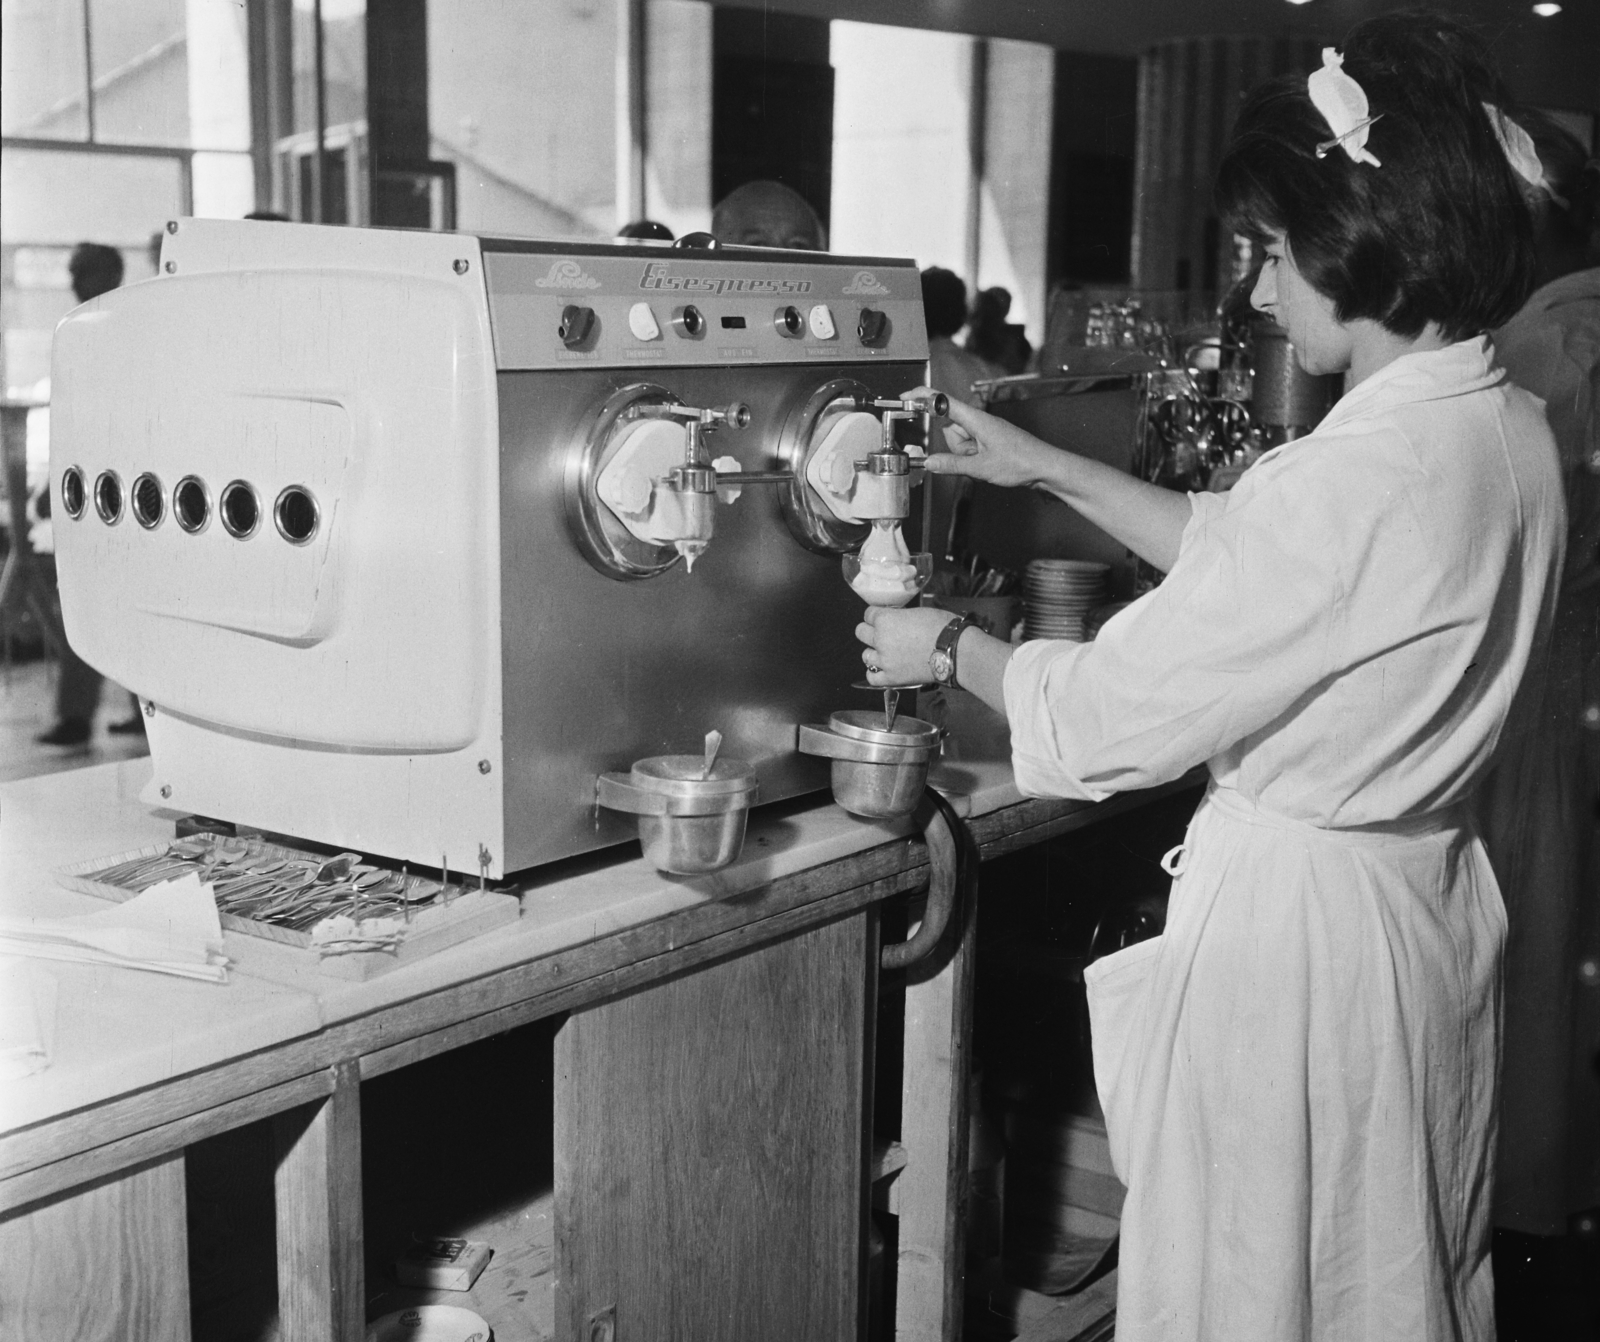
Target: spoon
713,744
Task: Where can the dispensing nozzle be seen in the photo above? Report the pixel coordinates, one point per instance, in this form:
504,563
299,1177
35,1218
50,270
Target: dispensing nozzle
860,469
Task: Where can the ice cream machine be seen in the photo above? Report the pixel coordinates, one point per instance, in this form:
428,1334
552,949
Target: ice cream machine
403,539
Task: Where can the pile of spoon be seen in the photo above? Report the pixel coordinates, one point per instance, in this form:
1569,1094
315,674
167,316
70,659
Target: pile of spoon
267,883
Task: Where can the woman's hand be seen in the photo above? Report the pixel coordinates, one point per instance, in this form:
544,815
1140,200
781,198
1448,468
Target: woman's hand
987,448
897,643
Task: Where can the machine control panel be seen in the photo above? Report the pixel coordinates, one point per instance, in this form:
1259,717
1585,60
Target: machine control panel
629,306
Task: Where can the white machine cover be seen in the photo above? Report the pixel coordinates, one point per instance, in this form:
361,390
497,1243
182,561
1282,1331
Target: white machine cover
1299,1075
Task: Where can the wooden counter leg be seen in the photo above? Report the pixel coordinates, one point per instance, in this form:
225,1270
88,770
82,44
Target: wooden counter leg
106,1263
930,1194
711,1150
321,1275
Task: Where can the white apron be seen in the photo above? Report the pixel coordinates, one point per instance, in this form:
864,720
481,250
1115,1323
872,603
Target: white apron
1299,1074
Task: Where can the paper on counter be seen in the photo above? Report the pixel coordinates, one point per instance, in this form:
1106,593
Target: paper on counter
171,928
27,1018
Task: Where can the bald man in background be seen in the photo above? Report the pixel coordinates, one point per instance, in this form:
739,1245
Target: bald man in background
767,214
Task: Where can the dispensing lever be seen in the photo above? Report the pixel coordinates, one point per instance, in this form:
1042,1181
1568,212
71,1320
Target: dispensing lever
934,403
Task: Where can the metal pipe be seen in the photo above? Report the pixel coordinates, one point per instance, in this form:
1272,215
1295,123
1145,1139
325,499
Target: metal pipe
319,165
754,478
88,75
952,871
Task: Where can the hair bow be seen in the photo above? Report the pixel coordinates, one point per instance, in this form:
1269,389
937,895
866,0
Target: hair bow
1521,153
1343,104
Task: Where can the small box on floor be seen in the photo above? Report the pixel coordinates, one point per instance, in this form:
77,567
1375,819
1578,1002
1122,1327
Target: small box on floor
442,1264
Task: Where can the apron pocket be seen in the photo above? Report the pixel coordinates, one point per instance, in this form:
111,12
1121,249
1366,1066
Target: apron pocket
1117,986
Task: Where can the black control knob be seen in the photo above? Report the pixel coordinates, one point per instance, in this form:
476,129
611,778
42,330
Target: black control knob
689,321
873,328
577,325
791,323
697,242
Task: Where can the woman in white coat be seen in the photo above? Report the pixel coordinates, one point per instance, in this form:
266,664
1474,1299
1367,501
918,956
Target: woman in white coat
1299,1075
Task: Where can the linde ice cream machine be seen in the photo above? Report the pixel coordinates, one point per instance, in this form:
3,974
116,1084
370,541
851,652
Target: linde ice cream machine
403,539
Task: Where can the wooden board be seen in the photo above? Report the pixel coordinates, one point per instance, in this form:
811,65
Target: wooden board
712,1149
107,1263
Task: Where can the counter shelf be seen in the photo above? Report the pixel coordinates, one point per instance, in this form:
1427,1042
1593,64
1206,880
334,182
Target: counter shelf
143,1066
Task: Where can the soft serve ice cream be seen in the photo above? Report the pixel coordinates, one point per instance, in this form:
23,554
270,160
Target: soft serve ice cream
888,576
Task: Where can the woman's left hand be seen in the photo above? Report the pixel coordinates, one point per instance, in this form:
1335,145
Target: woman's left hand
899,642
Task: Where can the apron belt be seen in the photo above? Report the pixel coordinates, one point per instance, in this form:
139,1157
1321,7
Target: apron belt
1235,806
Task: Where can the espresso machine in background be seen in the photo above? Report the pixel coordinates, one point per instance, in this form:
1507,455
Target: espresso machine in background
403,539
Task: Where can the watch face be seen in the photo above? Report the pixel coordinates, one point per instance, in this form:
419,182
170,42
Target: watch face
941,667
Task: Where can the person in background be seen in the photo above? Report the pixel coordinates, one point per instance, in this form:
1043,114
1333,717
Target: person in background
95,269
992,338
954,369
646,229
1537,809
767,214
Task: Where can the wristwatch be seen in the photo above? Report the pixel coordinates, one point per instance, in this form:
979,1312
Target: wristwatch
943,661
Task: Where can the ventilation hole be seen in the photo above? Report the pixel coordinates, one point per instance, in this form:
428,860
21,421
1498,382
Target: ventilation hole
191,505
72,495
147,501
241,513
296,514
108,497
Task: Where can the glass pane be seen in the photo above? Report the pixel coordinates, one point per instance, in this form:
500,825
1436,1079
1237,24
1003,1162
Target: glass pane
900,118
50,201
60,198
523,99
41,69
170,73
141,71
344,63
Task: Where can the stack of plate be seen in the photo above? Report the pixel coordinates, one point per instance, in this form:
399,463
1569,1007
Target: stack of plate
1057,593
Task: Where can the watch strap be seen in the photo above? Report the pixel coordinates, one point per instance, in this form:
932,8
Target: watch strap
945,646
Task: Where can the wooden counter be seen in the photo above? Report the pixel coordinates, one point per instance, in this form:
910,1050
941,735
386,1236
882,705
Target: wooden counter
734,1010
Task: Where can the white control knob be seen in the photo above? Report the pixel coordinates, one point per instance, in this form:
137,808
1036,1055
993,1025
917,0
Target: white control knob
642,322
820,320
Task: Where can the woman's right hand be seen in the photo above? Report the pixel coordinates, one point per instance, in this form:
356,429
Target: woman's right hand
987,448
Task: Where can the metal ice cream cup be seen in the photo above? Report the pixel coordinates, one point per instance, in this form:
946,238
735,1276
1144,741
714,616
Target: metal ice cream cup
879,771
688,823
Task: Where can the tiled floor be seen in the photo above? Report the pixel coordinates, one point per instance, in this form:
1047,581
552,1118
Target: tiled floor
27,707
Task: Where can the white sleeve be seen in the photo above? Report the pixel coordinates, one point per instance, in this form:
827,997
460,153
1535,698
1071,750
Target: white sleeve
1247,622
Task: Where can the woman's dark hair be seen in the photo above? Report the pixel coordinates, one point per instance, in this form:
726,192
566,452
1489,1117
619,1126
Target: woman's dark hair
1440,232
944,301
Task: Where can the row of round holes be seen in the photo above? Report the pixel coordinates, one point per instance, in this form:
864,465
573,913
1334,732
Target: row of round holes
295,511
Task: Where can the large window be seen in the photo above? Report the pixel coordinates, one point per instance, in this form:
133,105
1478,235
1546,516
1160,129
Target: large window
116,116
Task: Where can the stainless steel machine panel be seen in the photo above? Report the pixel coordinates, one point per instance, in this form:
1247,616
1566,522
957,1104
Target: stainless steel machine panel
599,672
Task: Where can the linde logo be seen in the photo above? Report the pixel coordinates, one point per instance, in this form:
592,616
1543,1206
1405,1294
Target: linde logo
866,284
567,275
656,277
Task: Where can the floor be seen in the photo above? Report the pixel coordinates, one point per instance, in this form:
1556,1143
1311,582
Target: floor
27,707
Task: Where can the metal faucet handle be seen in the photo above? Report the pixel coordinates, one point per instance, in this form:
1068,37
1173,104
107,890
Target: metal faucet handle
734,415
935,403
